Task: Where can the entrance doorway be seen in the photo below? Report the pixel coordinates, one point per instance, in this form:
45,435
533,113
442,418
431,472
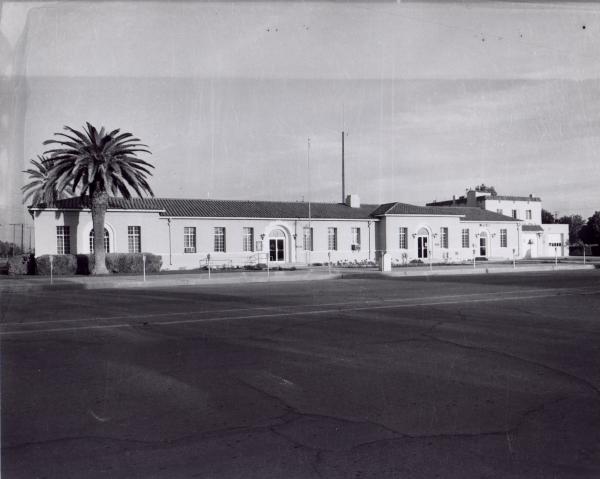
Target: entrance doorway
422,250
483,244
277,246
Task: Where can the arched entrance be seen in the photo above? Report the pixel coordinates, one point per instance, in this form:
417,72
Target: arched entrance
483,244
277,252
106,241
422,243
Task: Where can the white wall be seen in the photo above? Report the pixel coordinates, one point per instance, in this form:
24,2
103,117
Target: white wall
455,251
521,206
156,237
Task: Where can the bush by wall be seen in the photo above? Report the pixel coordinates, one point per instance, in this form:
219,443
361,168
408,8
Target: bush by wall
21,264
132,263
62,264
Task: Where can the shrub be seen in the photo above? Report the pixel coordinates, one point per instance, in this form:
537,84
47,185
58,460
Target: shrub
22,264
62,264
416,261
132,262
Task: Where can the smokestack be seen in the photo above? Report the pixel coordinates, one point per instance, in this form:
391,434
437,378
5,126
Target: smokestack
471,198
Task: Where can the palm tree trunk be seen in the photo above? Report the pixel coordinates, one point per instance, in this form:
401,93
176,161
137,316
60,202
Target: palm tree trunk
99,206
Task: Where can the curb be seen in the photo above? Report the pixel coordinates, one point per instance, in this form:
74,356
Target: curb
24,285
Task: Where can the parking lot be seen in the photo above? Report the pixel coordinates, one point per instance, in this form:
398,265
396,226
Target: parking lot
466,376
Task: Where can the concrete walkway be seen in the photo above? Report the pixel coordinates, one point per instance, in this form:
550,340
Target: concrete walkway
25,283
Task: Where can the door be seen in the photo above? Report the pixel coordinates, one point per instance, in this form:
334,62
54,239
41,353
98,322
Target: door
482,246
276,249
422,247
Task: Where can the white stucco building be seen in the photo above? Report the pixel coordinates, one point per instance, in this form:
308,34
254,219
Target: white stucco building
536,239
189,232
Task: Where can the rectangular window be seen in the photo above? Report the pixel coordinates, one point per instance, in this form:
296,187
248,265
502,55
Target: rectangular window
189,239
134,239
219,239
466,241
500,211
444,237
248,239
332,239
63,240
355,238
403,242
514,214
503,238
308,238
527,214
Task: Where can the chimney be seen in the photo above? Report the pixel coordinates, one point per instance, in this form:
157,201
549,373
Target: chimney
472,198
353,201
453,200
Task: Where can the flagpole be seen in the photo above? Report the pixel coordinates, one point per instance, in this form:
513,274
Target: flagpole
309,211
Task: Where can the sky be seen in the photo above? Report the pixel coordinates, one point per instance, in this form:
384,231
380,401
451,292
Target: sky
435,97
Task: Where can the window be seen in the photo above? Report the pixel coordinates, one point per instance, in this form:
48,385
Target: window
444,237
308,238
189,239
248,239
134,239
514,214
403,242
219,239
500,211
106,241
503,238
63,240
527,214
332,239
465,238
555,244
355,238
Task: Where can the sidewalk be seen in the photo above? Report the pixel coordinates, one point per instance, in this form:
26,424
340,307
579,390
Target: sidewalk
26,283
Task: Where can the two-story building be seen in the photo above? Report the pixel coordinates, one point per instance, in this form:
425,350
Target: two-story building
537,239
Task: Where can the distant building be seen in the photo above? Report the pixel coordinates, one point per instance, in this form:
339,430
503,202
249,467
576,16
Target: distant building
536,239
187,232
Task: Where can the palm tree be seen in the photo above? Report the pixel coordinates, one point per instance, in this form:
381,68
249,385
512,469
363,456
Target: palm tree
36,189
100,164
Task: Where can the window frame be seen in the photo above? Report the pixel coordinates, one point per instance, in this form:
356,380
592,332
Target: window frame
63,239
332,238
106,241
189,239
466,235
355,237
503,238
444,237
403,237
248,239
134,232
219,239
307,237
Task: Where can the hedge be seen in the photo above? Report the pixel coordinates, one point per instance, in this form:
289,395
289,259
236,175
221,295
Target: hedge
131,263
21,264
62,264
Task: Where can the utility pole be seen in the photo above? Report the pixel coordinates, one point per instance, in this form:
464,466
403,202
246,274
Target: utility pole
343,171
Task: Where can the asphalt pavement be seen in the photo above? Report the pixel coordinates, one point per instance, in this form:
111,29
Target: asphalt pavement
379,377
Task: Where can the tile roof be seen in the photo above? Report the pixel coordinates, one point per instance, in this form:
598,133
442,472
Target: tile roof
199,208
529,228
468,213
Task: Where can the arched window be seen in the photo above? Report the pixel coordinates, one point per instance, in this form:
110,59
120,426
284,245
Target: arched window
106,241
